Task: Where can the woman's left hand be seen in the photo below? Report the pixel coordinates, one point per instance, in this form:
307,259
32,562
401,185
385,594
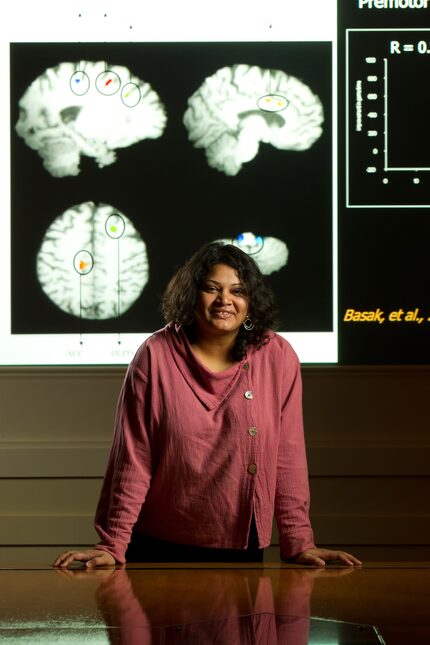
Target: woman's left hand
319,557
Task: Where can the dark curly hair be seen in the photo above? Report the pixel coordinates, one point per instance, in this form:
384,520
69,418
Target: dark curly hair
180,298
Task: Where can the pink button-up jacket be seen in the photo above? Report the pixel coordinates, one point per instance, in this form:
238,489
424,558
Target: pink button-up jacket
195,453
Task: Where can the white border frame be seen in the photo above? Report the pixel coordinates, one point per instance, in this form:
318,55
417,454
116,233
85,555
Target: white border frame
164,21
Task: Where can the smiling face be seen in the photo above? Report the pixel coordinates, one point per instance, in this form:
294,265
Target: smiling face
222,302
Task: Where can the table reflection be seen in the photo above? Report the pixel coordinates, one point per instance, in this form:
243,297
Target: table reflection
222,606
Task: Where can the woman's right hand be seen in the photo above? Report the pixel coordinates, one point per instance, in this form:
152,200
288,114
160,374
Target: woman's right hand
91,557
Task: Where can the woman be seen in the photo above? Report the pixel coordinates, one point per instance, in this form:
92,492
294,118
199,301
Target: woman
208,441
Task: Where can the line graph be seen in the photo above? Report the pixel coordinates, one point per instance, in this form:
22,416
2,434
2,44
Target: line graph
387,125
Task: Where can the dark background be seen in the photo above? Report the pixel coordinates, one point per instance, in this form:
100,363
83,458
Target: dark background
384,252
165,186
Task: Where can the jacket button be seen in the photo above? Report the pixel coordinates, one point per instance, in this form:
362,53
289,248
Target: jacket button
252,469
252,431
249,394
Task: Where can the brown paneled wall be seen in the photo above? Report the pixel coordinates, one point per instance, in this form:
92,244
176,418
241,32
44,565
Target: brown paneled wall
368,438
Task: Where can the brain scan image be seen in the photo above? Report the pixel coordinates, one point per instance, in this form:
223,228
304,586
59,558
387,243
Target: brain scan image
240,106
92,262
269,253
89,109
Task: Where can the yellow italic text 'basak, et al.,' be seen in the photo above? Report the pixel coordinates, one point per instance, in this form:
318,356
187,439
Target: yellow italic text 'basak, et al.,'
378,316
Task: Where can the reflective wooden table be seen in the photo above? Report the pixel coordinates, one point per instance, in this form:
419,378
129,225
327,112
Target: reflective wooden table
224,604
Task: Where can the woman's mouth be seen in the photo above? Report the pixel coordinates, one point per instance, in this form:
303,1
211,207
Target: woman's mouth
220,313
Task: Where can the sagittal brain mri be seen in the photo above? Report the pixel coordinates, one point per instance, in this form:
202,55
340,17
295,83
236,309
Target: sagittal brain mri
92,262
90,109
239,107
269,253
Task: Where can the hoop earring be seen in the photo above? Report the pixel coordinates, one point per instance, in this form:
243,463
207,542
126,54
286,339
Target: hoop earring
248,324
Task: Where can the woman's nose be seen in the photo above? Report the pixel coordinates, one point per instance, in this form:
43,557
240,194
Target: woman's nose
224,296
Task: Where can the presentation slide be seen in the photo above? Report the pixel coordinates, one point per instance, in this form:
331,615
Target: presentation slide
134,141
135,132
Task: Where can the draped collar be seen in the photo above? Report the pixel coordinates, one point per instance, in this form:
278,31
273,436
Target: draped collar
211,388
